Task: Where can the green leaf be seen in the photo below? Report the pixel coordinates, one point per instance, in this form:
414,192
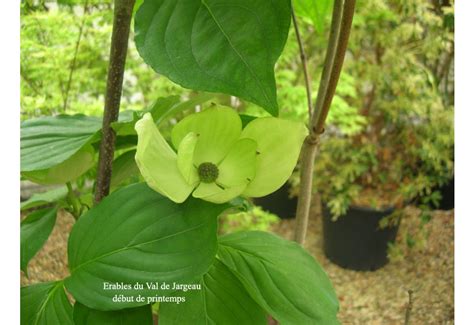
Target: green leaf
125,125
48,141
281,276
137,5
162,108
314,10
45,304
221,300
34,231
158,163
278,144
169,106
246,119
137,235
68,170
124,167
130,316
44,198
229,47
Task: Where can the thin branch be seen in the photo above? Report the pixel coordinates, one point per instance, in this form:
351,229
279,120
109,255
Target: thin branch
320,115
340,29
74,59
118,53
304,62
329,60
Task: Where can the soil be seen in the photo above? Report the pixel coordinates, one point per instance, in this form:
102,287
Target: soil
379,297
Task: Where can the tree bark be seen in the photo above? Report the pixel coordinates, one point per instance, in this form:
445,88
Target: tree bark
118,53
343,13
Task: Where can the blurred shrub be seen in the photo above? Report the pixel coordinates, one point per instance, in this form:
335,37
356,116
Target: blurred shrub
253,219
406,147
47,55
390,136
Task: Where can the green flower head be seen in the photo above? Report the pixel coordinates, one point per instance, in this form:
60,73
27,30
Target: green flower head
215,159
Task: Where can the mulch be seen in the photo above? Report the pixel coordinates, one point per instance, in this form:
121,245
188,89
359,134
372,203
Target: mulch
378,297
381,297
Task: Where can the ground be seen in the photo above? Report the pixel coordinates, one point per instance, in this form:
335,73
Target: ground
379,297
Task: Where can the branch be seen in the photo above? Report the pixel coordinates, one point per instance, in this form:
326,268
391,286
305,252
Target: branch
321,113
74,59
343,13
118,53
307,80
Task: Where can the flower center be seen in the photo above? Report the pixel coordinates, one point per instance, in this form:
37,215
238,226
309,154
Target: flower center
208,172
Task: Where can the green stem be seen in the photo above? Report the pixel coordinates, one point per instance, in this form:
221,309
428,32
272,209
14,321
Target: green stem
73,202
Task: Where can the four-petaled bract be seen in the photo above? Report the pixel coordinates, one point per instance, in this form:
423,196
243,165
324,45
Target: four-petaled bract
216,160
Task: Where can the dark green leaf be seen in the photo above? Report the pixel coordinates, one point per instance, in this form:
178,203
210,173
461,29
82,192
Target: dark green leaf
126,122
221,300
281,276
123,168
137,235
48,141
68,170
45,304
162,106
160,111
35,230
44,198
126,142
246,119
130,316
217,46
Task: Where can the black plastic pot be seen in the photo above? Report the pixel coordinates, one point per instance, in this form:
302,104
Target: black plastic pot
355,241
279,203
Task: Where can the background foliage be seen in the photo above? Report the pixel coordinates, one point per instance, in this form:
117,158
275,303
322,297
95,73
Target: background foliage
390,128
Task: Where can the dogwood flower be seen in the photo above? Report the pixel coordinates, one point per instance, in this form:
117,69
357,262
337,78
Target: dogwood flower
215,159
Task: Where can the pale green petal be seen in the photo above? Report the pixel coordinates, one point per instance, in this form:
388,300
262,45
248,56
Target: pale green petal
218,128
66,171
158,162
185,159
278,144
239,166
215,194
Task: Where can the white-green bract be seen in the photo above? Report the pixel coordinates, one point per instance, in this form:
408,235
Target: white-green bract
216,160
